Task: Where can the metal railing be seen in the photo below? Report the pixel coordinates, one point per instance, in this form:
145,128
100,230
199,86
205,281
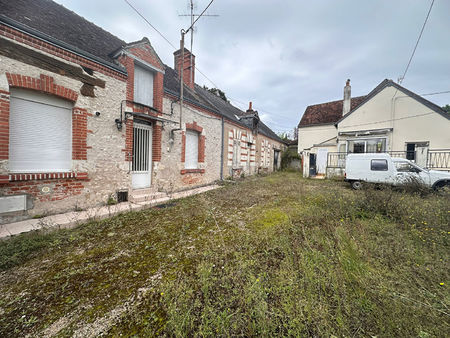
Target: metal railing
436,159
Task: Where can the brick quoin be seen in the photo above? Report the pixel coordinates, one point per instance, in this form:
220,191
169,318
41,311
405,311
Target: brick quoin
156,143
43,46
128,141
201,149
44,84
183,147
79,134
4,125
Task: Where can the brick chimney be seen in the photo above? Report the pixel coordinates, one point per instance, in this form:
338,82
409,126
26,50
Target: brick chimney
188,76
252,118
250,110
347,98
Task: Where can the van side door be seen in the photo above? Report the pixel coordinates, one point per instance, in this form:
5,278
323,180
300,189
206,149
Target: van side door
381,171
406,173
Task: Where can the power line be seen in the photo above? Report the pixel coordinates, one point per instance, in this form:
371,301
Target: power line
444,92
150,24
417,43
175,48
376,122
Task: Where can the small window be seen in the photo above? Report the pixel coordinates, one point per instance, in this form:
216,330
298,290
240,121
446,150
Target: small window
143,86
191,160
378,165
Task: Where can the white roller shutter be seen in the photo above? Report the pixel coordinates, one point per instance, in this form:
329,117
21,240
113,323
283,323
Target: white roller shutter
40,133
191,155
143,86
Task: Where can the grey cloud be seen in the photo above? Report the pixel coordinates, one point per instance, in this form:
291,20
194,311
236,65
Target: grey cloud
286,55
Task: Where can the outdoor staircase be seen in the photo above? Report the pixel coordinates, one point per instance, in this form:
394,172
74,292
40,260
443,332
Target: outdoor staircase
145,195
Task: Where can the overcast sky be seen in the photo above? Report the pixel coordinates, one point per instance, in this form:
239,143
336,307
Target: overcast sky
286,55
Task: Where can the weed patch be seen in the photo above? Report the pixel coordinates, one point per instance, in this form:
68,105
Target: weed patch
295,257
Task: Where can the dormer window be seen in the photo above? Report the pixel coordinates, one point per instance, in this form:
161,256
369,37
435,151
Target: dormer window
143,85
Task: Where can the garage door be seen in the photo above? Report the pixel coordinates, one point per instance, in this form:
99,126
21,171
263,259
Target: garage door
40,133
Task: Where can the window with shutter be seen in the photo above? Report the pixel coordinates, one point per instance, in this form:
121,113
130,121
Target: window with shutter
40,133
143,86
191,157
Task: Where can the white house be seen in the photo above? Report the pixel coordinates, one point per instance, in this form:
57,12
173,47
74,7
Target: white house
389,119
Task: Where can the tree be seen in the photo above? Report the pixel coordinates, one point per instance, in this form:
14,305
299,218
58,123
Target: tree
284,136
217,92
446,108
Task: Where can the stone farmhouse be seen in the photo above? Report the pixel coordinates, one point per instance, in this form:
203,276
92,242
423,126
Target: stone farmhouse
389,119
86,117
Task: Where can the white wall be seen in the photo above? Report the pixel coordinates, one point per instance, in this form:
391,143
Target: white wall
382,111
308,136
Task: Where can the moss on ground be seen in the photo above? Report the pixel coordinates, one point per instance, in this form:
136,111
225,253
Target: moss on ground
273,255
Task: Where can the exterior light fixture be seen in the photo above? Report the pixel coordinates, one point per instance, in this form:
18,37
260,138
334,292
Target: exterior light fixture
118,124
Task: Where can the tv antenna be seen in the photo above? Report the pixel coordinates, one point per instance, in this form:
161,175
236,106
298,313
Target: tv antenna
193,16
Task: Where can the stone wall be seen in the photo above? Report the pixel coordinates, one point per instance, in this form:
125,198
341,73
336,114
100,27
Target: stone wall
98,167
170,174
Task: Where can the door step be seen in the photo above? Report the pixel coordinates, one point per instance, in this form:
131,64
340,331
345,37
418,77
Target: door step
145,195
318,177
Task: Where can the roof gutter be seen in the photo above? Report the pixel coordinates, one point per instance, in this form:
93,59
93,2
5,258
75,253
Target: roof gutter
60,44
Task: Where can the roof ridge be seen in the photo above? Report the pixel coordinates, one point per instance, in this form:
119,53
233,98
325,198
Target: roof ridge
354,97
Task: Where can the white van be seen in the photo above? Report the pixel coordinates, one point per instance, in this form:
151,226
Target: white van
382,168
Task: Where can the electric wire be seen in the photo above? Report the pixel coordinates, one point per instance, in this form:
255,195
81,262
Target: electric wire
148,22
417,43
175,48
400,80
376,122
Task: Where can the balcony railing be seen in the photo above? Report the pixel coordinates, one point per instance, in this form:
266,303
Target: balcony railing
436,159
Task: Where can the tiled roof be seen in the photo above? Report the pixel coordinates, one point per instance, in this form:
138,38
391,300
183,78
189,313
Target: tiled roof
62,24
204,98
328,112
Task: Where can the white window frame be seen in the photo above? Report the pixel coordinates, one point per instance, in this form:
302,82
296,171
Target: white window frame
191,156
139,97
365,139
14,146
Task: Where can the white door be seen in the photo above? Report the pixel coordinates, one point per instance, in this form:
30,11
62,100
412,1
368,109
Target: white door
142,155
421,155
322,157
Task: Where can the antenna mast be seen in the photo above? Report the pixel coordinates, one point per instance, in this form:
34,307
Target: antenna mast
192,15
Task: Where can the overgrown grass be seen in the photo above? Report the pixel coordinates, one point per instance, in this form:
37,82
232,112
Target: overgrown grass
274,255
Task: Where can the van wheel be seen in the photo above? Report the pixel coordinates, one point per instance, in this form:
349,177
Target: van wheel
357,185
442,186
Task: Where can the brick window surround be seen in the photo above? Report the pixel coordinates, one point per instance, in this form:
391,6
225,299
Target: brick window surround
156,141
201,147
43,84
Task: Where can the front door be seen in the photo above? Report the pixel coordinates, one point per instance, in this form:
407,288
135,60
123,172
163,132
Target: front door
322,158
276,155
312,165
142,155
